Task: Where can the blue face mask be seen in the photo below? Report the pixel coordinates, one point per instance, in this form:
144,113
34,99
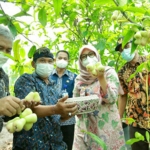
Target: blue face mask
126,54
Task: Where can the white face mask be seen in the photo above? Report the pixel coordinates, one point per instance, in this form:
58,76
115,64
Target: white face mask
126,54
44,69
3,60
61,63
89,60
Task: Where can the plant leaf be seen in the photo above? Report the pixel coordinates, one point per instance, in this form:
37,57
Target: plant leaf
8,55
42,17
127,37
12,29
57,6
131,141
147,136
16,48
31,51
97,139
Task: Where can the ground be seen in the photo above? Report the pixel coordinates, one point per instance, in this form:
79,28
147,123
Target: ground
5,139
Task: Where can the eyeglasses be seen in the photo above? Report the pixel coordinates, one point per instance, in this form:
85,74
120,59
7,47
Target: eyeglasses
84,56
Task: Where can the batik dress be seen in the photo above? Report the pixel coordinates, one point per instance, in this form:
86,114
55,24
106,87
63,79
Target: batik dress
105,121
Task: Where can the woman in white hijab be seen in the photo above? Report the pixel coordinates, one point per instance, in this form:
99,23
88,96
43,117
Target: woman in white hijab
104,122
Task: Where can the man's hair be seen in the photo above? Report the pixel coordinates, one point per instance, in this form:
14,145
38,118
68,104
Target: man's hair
6,33
42,52
64,52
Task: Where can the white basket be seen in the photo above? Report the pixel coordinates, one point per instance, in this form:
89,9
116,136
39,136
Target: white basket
86,104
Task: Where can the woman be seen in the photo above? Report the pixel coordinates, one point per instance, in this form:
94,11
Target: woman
104,122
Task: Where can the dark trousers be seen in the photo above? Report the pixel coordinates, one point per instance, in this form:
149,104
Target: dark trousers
141,145
68,135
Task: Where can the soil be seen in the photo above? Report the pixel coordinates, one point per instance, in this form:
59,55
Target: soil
5,139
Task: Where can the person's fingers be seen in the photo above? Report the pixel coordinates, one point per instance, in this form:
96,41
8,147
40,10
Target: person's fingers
73,110
70,105
63,99
11,110
8,113
18,104
15,99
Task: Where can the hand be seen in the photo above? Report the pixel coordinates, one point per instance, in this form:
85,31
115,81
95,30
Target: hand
96,70
100,73
64,109
30,104
10,105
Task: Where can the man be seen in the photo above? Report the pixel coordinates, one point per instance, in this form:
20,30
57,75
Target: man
45,133
134,98
9,105
65,81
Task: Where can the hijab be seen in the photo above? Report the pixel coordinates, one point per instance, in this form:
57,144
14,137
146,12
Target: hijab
84,75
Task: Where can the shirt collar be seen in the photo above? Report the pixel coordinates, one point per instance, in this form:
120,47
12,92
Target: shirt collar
65,73
37,76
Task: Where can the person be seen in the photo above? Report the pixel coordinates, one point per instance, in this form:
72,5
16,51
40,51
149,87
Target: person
105,121
134,98
9,105
65,80
45,133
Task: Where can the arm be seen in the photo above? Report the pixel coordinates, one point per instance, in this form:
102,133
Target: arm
122,101
109,85
60,108
25,84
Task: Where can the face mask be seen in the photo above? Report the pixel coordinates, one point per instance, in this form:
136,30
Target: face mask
61,63
89,60
126,54
44,69
3,60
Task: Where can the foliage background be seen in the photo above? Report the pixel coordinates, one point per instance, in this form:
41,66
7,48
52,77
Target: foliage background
68,24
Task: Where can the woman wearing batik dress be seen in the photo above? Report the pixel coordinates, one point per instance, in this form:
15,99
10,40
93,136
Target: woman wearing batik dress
105,121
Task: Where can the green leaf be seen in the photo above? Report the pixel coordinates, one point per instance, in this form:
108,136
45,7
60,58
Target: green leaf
57,6
148,65
1,12
22,52
12,28
102,2
111,63
8,55
21,69
105,117
131,141
97,139
18,27
21,13
147,136
101,44
42,17
134,46
127,37
25,7
3,20
136,9
31,51
16,48
138,135
140,67
128,120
